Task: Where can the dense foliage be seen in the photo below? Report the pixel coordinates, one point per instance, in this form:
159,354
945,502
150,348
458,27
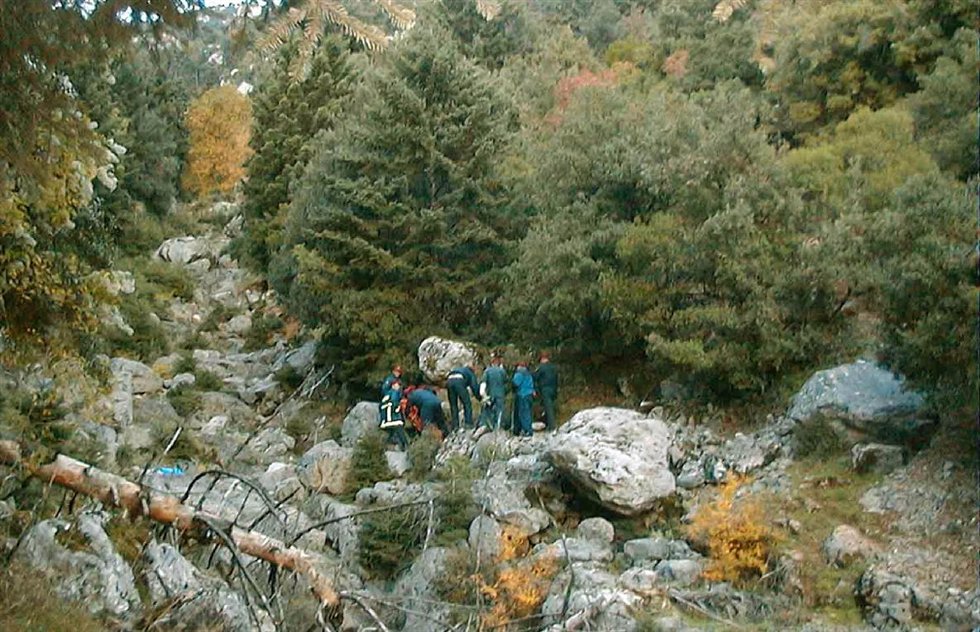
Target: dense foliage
720,198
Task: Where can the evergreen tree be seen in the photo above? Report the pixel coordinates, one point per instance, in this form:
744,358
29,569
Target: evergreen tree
287,116
398,226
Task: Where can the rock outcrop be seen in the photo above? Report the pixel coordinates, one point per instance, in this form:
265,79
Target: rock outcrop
867,399
615,456
438,356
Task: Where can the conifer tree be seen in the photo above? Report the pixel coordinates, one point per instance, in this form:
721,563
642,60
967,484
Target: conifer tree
287,116
398,225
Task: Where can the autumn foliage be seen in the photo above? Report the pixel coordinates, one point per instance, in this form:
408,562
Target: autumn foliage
737,538
517,585
219,123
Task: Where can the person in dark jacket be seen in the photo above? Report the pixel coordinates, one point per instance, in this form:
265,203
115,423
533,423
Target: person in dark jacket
396,374
546,383
459,380
430,408
524,394
390,415
493,392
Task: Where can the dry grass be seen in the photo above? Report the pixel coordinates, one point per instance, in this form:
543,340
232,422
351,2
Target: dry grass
27,604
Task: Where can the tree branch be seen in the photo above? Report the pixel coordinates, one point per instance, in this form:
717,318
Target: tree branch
114,491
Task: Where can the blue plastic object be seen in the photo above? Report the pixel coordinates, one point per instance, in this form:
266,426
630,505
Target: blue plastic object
171,471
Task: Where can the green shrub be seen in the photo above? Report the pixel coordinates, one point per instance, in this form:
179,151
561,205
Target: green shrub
219,314
27,604
149,339
455,508
186,364
422,454
389,539
205,380
185,399
164,279
818,436
289,377
261,332
368,464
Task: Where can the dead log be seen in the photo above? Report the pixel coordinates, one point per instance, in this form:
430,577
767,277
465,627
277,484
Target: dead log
117,492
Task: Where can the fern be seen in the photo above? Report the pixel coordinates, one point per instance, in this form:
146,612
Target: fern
726,8
311,17
489,9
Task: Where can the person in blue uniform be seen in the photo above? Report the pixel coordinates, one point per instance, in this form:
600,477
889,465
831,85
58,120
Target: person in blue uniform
524,394
390,416
459,381
546,383
396,374
493,392
430,408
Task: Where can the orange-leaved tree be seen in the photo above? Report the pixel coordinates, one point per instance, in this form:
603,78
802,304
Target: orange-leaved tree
219,123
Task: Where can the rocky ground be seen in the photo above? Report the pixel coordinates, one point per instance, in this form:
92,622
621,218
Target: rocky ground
610,523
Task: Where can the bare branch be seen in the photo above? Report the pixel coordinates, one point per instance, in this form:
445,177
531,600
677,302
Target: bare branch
114,491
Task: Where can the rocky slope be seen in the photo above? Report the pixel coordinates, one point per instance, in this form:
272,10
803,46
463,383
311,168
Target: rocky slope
595,526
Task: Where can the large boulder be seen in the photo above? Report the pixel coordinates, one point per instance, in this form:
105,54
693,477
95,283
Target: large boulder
184,249
438,356
362,419
143,379
83,564
845,545
867,399
876,457
190,600
616,457
324,467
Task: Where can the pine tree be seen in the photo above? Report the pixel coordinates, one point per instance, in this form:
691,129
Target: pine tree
287,116
398,225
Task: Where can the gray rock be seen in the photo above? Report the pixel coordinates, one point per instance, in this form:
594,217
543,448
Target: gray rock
642,581
360,420
183,250
397,462
121,399
485,537
215,404
527,521
845,545
617,457
656,549
876,457
154,412
503,492
94,575
324,467
681,572
886,599
181,379
144,379
280,480
596,601
194,600
301,359
865,397
596,529
438,356
239,325
582,550
342,534
416,587
691,477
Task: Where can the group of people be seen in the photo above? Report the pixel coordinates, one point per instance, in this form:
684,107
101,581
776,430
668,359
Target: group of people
419,406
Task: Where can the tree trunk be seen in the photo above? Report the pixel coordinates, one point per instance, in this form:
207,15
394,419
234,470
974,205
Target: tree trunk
114,491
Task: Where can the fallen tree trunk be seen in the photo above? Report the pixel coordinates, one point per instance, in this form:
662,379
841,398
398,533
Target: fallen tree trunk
115,491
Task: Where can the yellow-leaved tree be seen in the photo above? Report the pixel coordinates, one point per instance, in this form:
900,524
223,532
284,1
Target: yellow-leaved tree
219,123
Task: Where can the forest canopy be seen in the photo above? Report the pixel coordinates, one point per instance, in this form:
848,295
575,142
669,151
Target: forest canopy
707,198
